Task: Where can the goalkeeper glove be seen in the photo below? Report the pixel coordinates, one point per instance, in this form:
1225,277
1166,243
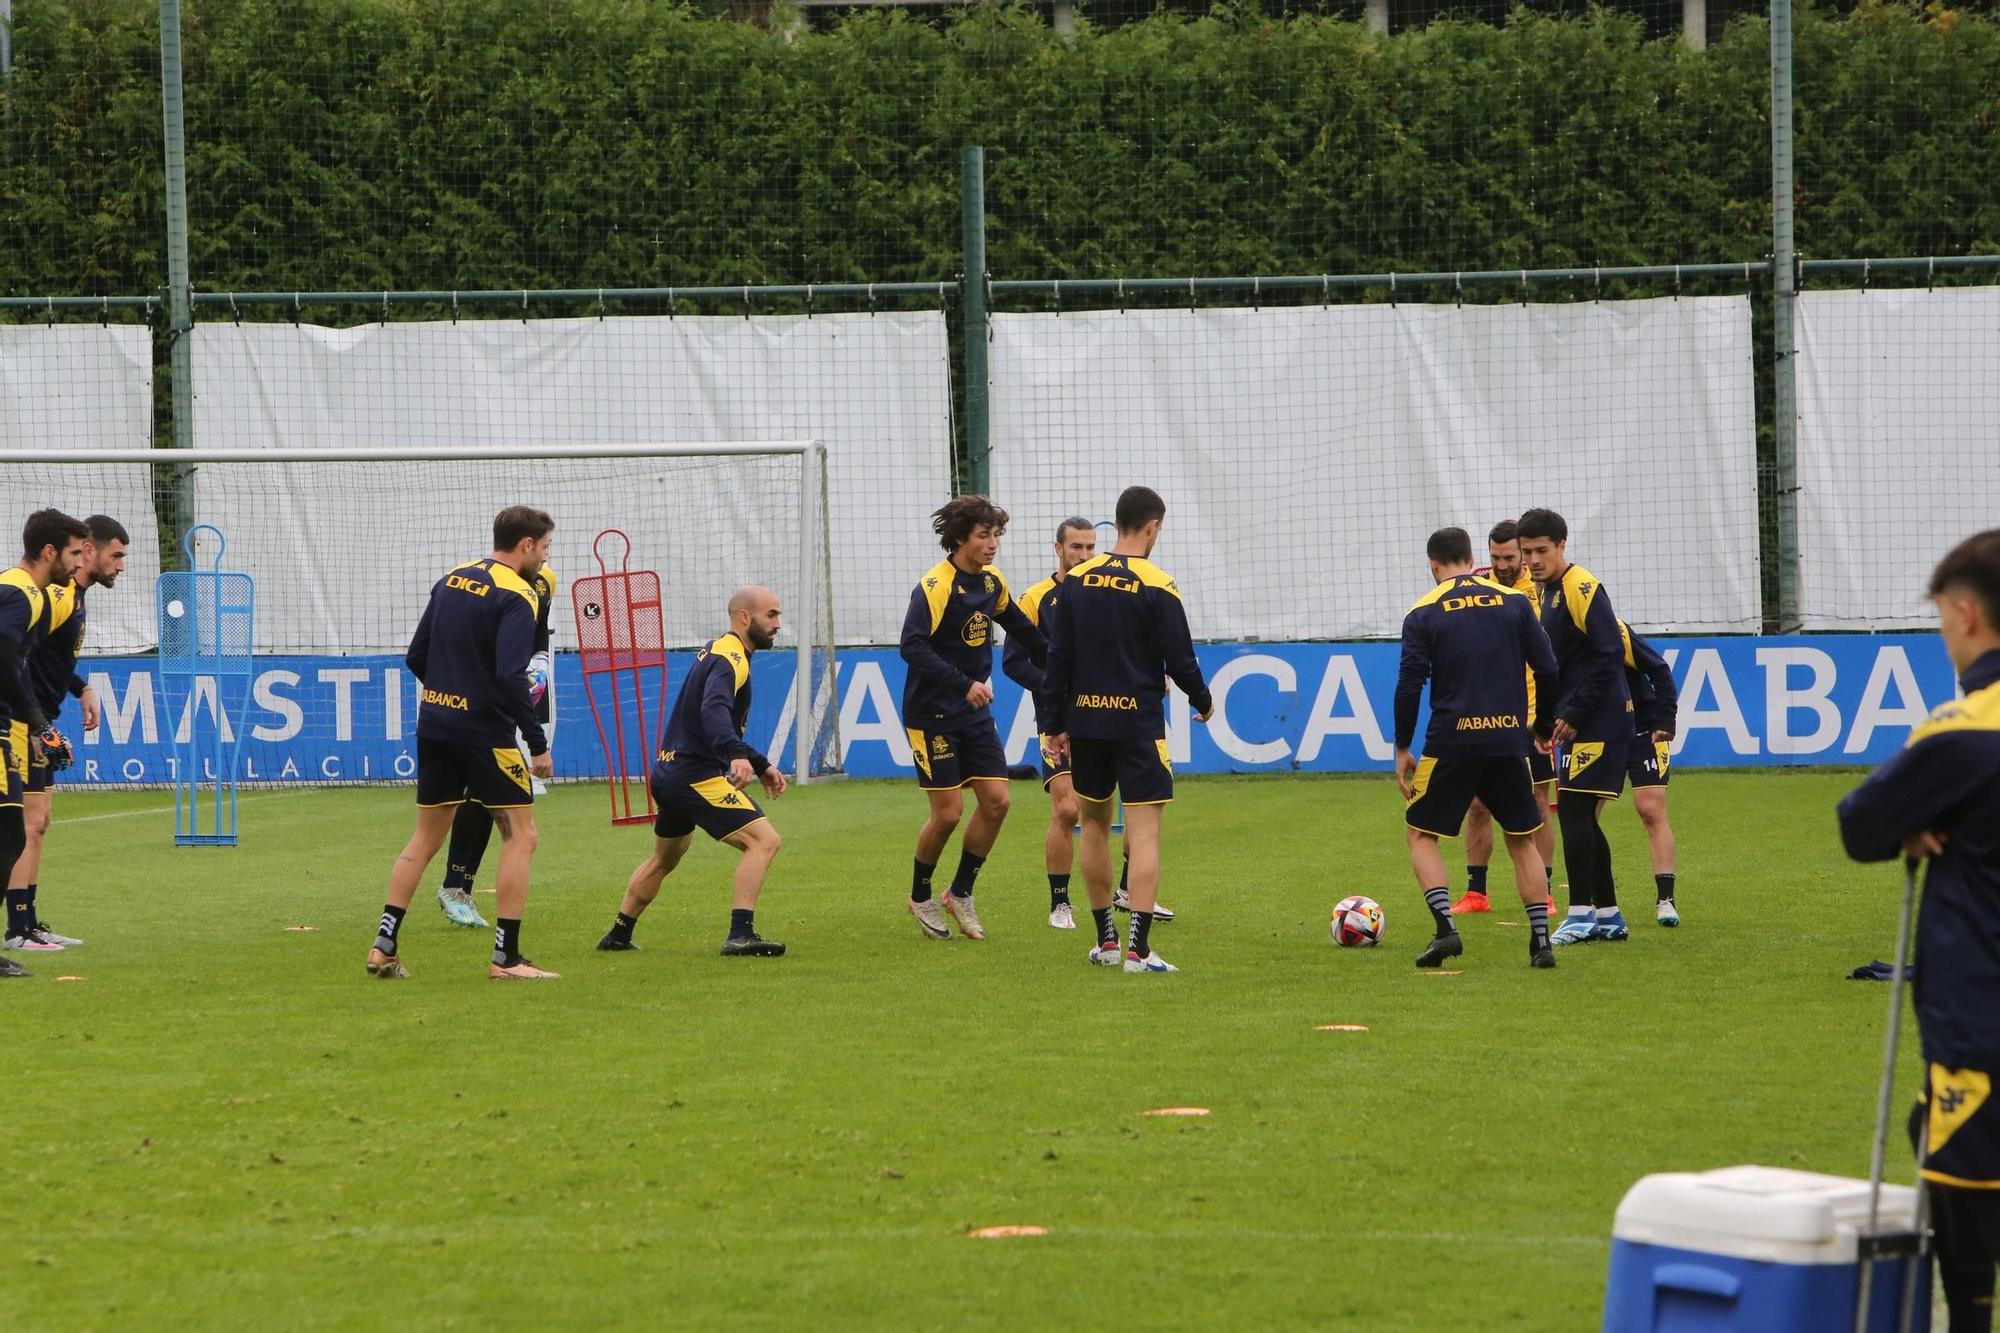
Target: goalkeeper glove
55,749
540,667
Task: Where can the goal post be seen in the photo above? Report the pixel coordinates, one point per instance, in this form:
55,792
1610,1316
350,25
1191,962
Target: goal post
345,543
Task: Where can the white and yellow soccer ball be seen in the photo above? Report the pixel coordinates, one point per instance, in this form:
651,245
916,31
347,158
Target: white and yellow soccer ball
1357,922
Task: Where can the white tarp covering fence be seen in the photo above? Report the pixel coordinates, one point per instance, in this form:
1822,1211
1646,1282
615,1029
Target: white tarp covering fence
345,554
1899,446
1306,452
84,386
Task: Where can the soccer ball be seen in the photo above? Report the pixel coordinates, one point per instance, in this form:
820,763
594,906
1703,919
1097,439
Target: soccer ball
1357,922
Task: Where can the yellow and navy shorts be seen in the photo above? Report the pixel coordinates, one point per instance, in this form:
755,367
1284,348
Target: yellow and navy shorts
1541,768
14,758
682,805
40,776
1052,767
1964,1145
495,776
1443,787
1596,768
949,760
1648,763
1138,770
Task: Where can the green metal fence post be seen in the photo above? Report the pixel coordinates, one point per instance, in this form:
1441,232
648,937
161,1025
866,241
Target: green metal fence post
1784,345
972,191
180,315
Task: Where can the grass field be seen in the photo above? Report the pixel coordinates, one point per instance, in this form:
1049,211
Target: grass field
224,1123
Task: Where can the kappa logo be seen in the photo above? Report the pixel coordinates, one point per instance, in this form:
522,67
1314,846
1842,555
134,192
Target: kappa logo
1951,1099
1585,588
733,799
1582,754
930,585
516,771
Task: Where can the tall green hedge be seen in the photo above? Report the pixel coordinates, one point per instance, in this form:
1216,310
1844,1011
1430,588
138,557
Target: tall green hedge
368,144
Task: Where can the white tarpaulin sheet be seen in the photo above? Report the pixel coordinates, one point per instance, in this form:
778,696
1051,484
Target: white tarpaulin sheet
345,554
1305,453
1899,446
85,386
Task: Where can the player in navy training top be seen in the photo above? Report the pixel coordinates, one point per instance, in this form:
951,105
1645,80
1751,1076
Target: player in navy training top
472,827
1939,799
1655,717
1593,721
470,654
1076,542
52,671
1475,641
51,546
700,775
1118,632
1503,549
947,703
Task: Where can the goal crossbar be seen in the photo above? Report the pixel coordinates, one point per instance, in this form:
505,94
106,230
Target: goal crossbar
801,613
423,454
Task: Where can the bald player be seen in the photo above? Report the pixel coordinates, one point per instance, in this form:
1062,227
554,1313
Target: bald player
699,776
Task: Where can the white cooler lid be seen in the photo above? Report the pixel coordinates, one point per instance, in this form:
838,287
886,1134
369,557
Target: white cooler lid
1765,1213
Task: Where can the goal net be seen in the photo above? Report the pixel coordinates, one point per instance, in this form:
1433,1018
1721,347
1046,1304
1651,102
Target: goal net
344,546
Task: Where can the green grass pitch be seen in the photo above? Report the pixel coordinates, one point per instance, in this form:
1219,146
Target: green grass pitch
224,1123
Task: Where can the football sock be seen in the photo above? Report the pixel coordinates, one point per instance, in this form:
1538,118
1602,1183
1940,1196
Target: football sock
1439,901
471,828
1576,812
1607,889
385,934
1549,876
741,920
1106,932
17,912
968,871
34,918
621,929
1058,891
507,942
1664,886
1475,879
1538,927
1142,929
1606,913
920,882
1124,869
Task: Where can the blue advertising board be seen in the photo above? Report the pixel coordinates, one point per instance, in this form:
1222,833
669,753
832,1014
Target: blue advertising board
1313,707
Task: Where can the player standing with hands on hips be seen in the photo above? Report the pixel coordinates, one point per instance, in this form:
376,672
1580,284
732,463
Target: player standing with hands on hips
1118,631
1939,799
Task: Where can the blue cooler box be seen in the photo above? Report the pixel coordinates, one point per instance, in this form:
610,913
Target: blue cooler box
1755,1248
